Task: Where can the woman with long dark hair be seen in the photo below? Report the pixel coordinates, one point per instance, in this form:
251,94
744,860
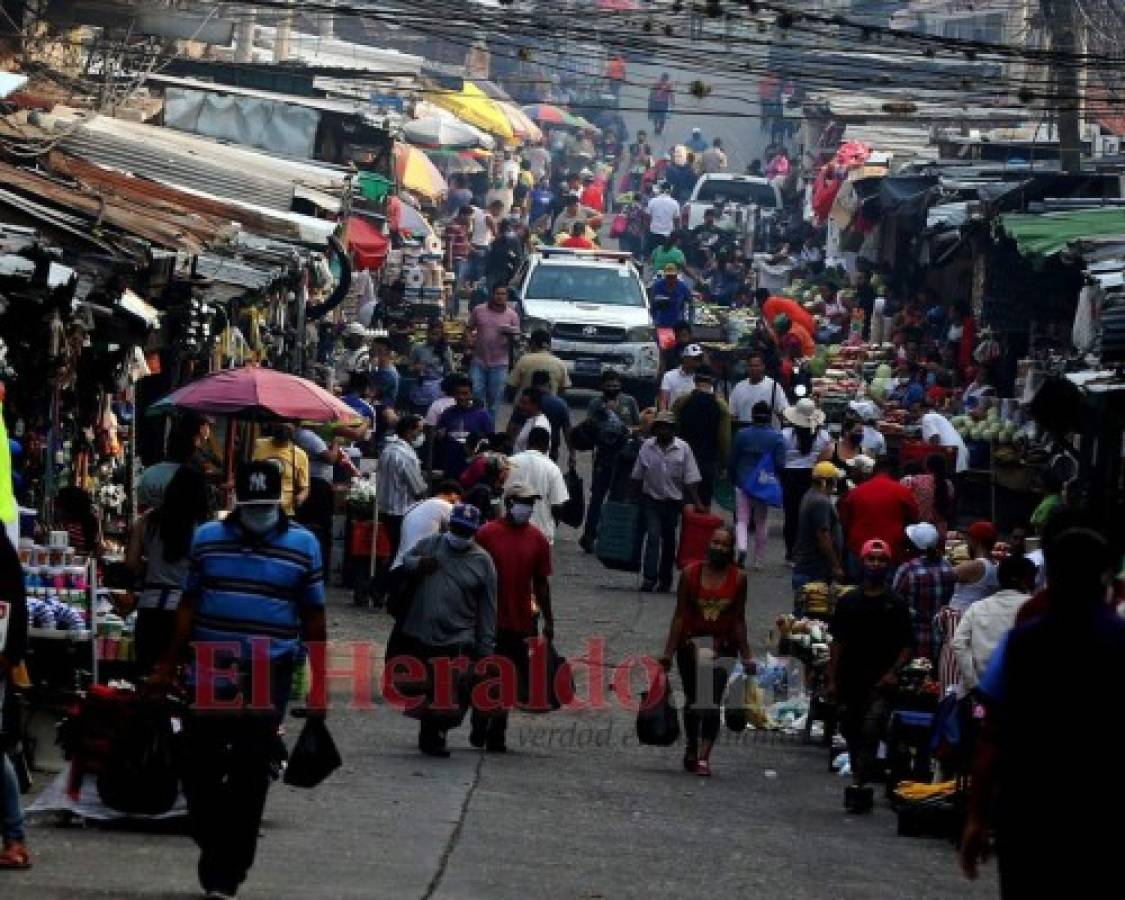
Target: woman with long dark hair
806,444
159,547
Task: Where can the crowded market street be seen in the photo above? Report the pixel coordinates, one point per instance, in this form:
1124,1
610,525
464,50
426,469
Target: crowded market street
598,449
576,803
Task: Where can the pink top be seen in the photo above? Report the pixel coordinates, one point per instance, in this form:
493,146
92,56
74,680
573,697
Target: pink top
491,347
779,165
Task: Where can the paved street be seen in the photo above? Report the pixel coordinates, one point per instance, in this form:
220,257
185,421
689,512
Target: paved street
725,114
575,810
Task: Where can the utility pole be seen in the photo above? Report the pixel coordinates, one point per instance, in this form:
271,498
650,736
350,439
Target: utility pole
1062,25
244,40
283,35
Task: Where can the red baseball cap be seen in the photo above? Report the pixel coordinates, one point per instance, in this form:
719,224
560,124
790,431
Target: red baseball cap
983,532
875,547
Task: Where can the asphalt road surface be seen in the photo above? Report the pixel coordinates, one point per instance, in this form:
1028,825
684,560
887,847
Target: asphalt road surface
576,809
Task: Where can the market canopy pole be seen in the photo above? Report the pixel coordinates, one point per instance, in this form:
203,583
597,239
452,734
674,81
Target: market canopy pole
1063,26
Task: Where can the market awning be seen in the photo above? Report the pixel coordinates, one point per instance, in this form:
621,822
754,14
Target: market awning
1048,233
474,106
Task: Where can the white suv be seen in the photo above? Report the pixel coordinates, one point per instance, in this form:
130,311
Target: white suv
595,307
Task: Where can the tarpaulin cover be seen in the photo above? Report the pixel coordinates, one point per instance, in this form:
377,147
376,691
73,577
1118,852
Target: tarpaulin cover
272,125
1048,233
370,247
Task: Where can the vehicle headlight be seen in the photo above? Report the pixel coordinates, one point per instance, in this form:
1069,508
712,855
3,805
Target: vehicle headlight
642,334
531,324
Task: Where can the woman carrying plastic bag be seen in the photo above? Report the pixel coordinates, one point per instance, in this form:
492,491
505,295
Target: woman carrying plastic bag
711,603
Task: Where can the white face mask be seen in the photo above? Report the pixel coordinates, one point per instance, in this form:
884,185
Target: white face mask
259,518
419,441
521,512
456,542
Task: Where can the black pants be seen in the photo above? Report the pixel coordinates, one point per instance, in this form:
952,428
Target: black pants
794,484
863,723
316,515
226,779
154,631
512,646
708,471
702,700
599,488
435,718
393,524
662,518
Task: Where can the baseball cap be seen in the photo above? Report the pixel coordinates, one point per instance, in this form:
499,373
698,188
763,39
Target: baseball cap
671,269
519,489
693,350
923,535
983,532
664,417
258,483
466,515
862,464
875,547
824,470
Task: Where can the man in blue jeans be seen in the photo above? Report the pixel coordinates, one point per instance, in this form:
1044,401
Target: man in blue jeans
664,475
491,328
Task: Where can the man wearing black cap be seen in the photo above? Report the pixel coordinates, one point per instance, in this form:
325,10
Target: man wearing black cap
703,420
254,598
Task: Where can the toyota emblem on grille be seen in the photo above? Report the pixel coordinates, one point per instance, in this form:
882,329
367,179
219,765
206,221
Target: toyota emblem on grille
590,330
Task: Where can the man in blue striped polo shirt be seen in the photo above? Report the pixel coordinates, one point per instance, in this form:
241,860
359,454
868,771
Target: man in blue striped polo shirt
254,594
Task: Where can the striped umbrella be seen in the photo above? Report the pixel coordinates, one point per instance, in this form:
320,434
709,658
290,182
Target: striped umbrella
549,114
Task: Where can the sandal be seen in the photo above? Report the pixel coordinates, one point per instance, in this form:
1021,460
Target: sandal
703,768
15,856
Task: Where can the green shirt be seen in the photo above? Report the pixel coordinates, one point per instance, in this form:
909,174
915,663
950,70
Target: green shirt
1043,512
661,256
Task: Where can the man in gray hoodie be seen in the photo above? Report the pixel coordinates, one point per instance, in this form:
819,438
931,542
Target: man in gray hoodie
451,621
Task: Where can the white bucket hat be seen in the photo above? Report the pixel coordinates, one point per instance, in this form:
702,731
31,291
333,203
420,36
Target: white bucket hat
804,414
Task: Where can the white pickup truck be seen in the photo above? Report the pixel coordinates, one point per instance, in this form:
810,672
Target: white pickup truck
734,198
595,307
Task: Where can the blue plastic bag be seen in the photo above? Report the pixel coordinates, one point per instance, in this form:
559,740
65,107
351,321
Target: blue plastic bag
762,483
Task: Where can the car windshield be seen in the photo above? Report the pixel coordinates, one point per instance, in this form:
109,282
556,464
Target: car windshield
714,190
609,285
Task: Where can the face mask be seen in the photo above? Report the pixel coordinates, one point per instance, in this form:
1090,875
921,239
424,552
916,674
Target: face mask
874,575
260,518
720,559
457,543
418,442
521,513
857,437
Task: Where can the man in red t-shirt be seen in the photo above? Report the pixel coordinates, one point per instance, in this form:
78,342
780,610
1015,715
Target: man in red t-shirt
578,239
879,509
522,557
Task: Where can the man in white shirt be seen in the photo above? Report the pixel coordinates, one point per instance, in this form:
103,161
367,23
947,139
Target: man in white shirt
527,415
355,355
874,444
938,430
663,217
535,467
680,381
988,620
757,387
427,517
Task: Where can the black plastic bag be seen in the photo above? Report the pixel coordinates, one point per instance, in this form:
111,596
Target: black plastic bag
658,725
315,756
141,772
573,512
558,687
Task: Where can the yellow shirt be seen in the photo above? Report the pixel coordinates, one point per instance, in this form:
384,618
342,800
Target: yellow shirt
530,363
294,464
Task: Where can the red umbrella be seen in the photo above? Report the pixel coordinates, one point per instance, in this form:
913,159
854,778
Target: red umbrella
252,392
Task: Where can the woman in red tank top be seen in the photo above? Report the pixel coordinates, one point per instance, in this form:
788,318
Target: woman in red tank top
711,602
